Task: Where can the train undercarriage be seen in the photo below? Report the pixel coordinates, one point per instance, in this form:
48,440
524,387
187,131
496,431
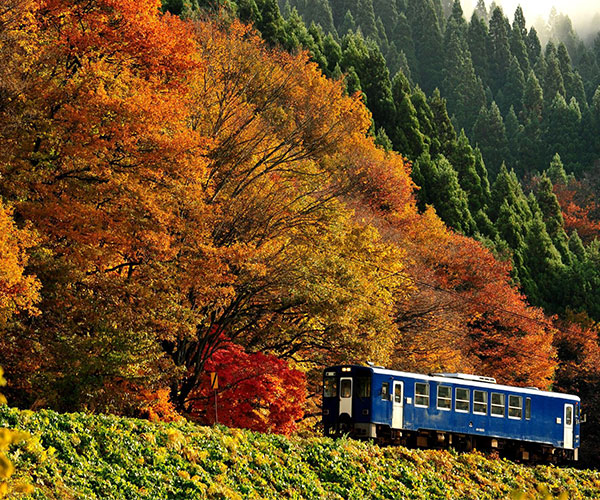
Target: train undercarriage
517,451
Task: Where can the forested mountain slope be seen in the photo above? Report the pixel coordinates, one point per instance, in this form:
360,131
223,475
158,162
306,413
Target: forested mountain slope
181,194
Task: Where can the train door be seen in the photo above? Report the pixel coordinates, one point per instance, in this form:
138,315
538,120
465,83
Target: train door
346,396
397,405
568,441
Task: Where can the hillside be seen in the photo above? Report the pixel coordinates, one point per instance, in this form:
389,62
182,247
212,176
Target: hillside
105,457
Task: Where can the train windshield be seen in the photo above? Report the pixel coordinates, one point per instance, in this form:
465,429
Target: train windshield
363,387
330,387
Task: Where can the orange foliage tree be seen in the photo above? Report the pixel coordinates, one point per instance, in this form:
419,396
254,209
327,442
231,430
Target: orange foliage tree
96,154
578,207
578,344
18,292
475,313
304,282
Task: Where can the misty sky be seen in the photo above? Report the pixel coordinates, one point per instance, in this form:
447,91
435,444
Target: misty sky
577,10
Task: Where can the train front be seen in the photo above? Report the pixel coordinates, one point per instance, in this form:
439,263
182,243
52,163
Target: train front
347,405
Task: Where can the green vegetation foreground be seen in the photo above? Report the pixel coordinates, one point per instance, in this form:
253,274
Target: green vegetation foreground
106,457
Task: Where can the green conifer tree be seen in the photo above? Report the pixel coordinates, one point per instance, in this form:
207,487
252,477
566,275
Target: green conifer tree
556,171
333,53
319,12
588,67
514,131
576,246
481,11
365,19
348,24
352,80
562,132
384,43
443,127
464,161
370,66
248,11
514,88
482,172
271,23
519,24
339,10
517,41
388,12
460,84
553,83
533,99
566,70
510,231
506,188
499,49
406,135
426,119
478,40
395,60
489,134
595,123
403,39
382,140
544,265
553,218
427,37
534,47
440,188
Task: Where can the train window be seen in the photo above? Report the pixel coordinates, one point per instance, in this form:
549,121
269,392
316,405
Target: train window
346,388
444,397
480,402
528,409
498,404
398,393
329,387
385,390
363,387
421,394
462,400
569,416
515,407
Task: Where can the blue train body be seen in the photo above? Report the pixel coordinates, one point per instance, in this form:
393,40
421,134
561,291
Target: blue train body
450,409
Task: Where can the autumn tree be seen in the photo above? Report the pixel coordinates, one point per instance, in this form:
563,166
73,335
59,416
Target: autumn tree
19,292
256,391
279,132
94,155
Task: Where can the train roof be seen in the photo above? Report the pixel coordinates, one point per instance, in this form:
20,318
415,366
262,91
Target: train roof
452,378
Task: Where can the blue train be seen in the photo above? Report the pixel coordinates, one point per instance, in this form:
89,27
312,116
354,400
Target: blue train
450,409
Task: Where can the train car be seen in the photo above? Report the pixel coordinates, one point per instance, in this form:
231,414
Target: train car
450,409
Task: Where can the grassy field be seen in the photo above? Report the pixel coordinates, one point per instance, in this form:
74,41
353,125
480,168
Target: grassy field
79,456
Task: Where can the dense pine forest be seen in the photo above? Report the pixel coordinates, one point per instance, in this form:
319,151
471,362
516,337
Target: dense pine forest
262,189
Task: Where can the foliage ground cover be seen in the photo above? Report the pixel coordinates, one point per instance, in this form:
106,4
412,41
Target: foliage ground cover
105,457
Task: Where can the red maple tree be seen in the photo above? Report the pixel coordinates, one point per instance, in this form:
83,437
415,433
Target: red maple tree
256,391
